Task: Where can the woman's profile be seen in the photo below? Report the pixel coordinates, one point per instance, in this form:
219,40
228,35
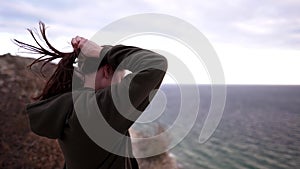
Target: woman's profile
100,69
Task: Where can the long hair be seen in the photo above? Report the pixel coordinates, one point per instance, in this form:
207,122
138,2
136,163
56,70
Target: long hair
61,80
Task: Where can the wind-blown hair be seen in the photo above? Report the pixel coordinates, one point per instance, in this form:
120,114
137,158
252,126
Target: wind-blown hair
61,80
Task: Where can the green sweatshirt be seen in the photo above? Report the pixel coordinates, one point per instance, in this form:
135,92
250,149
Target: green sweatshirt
57,117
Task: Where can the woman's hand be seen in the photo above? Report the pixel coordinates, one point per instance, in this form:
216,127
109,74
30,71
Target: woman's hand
87,47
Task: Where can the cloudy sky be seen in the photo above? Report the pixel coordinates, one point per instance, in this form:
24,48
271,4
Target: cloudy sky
257,42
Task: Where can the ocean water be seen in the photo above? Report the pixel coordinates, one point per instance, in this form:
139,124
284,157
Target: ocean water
260,128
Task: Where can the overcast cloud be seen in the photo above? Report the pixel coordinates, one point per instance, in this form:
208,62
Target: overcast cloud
250,24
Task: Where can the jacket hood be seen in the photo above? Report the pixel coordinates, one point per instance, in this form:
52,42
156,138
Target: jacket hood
48,117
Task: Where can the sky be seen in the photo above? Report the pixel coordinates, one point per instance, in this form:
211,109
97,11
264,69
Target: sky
257,42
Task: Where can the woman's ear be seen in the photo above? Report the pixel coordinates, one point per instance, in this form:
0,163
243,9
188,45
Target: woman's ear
107,71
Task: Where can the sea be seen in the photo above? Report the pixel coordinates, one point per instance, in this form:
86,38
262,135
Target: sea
259,126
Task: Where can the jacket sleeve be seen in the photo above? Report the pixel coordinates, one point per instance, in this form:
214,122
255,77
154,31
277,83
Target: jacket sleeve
121,104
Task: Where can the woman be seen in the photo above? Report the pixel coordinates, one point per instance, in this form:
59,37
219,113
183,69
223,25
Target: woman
55,114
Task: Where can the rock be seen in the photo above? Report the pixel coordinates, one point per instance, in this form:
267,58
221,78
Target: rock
147,147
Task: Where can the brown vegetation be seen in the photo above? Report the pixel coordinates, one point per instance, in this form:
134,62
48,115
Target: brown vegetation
20,148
